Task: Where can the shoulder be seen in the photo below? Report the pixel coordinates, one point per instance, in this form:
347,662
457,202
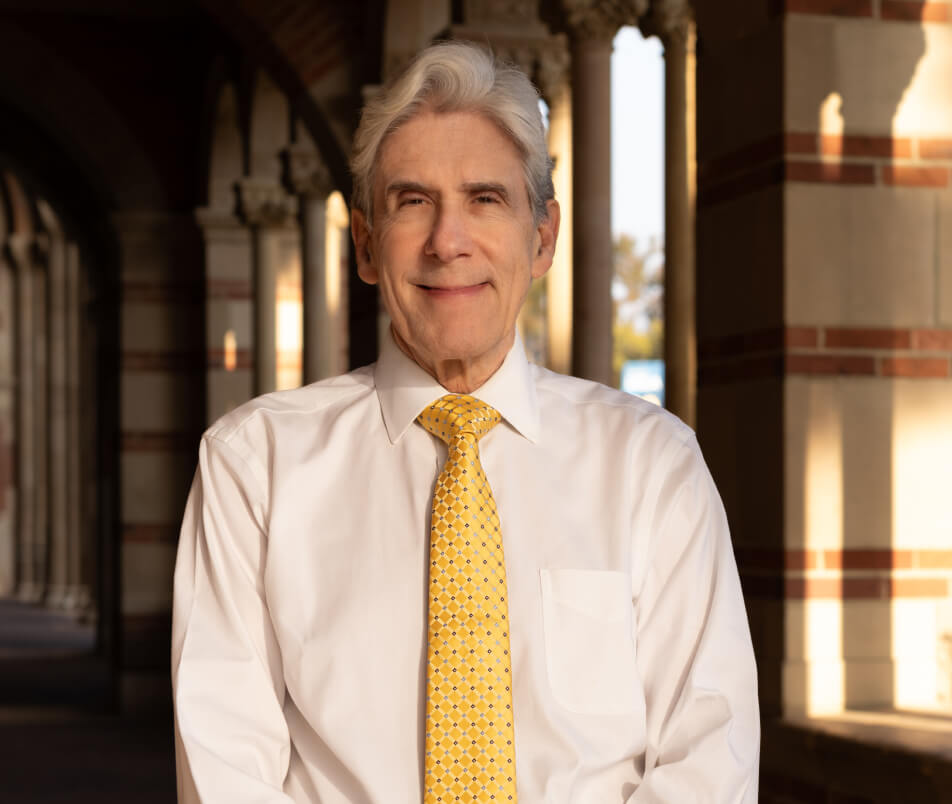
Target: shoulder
263,420
585,404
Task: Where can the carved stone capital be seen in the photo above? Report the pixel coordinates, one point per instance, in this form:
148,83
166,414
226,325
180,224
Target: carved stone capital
505,13
263,202
600,19
305,172
515,34
668,19
552,66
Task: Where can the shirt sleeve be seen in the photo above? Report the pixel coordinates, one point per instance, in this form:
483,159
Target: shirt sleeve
231,737
695,655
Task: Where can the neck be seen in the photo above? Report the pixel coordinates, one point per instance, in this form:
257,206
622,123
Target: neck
457,375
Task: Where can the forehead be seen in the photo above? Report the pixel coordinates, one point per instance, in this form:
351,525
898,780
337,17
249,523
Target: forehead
466,145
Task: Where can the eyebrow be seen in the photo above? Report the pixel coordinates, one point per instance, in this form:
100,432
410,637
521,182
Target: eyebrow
402,186
477,187
472,187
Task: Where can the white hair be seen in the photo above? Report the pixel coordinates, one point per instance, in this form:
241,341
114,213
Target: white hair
454,77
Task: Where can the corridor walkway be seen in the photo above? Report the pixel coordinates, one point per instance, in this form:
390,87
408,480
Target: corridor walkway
57,744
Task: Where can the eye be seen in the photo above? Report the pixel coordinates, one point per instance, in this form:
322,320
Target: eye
410,201
487,198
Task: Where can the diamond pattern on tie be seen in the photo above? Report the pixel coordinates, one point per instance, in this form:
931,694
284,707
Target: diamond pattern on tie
470,748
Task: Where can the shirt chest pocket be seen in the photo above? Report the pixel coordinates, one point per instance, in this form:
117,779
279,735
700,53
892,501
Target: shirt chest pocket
589,646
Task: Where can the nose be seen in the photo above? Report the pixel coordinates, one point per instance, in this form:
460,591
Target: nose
449,236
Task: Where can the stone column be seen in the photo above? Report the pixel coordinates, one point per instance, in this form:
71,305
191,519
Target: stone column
41,457
673,22
310,180
592,26
8,426
267,208
229,311
57,416
78,598
559,278
28,585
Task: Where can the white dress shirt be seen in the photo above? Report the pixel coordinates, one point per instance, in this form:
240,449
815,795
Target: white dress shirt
299,636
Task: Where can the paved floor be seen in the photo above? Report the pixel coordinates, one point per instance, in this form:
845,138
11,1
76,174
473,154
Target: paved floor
56,743
53,757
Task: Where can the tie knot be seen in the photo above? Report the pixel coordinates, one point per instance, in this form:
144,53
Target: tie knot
454,414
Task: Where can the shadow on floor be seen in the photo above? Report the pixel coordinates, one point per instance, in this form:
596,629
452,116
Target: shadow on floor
57,744
52,757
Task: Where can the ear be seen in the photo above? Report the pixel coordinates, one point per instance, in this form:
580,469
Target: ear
360,232
546,234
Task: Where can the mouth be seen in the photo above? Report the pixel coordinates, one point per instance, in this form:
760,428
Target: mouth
454,291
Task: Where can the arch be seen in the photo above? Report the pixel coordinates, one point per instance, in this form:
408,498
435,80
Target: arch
73,114
269,129
275,40
225,149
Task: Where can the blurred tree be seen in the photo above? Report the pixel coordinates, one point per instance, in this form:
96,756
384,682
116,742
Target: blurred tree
532,321
638,302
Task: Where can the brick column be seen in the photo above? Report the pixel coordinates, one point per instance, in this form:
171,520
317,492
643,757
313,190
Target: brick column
825,344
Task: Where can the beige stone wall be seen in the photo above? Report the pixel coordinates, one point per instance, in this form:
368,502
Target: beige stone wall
869,411
824,238
162,411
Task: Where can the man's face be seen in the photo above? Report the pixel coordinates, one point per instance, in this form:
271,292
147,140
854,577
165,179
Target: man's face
454,245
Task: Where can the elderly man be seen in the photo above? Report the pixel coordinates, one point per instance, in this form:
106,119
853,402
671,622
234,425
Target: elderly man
453,576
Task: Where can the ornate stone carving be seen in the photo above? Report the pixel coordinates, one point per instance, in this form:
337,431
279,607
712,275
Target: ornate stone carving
263,202
305,172
500,12
601,19
514,32
667,18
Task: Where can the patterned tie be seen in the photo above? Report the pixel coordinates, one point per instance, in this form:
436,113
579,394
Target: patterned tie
470,749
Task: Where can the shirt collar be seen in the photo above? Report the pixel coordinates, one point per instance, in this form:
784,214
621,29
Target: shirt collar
404,389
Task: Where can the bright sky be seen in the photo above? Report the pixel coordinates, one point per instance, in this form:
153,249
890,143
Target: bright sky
637,136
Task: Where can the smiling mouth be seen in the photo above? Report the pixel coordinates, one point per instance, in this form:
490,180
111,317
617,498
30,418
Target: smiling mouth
461,290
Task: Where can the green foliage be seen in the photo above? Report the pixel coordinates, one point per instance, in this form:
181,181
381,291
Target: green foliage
638,303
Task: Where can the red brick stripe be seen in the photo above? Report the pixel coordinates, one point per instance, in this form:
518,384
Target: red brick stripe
830,364
912,11
854,145
161,361
806,337
913,176
854,559
228,289
884,352
159,442
935,148
914,367
875,588
836,8
150,534
160,291
830,172
868,159
867,338
216,359
935,340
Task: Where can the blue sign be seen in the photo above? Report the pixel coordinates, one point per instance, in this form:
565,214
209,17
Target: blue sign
644,378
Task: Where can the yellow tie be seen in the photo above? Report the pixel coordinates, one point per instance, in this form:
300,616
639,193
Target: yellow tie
470,749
